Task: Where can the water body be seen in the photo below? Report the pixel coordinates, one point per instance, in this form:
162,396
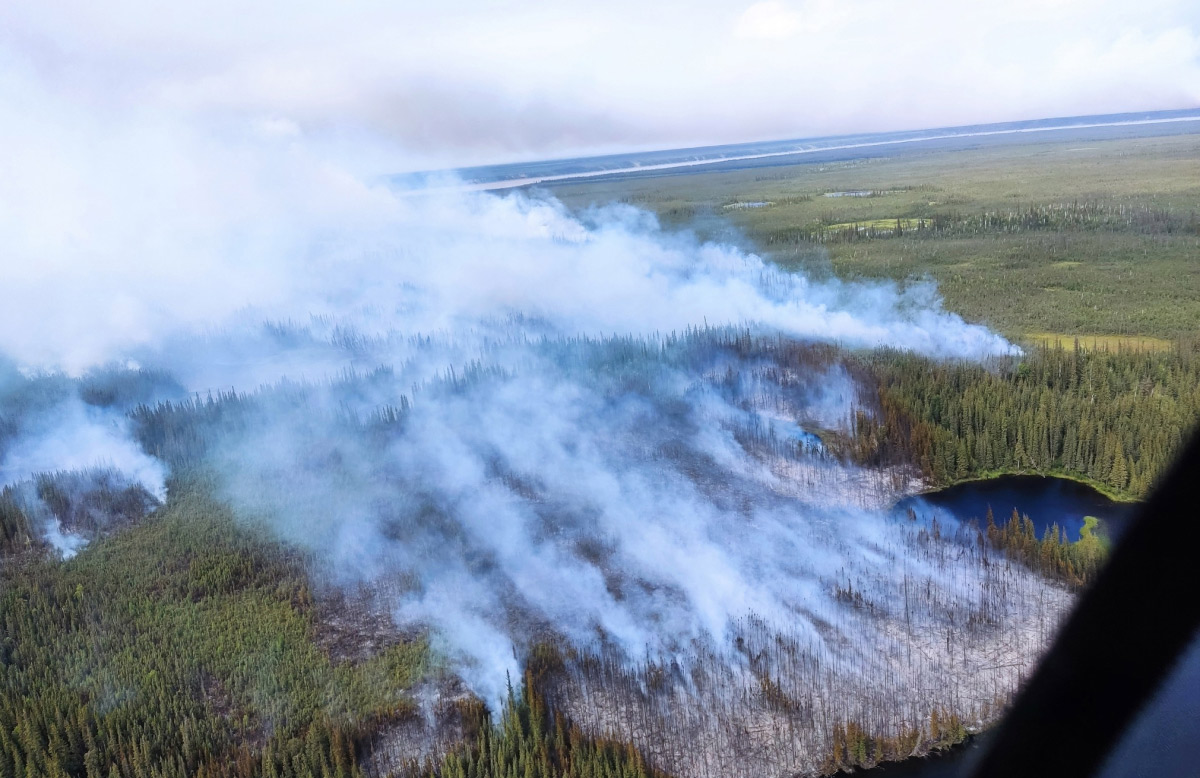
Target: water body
859,193
1045,499
950,763
766,153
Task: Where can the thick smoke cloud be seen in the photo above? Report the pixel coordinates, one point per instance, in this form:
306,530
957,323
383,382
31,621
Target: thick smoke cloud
515,420
121,231
609,492
75,436
67,454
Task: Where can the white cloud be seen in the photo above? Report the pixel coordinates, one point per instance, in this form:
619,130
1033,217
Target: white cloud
471,81
773,20
769,20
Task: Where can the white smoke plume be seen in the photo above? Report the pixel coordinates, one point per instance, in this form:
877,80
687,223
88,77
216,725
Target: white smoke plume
75,436
72,438
518,420
122,228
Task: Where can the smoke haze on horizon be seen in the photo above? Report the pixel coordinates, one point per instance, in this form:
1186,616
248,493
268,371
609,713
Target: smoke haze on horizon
471,83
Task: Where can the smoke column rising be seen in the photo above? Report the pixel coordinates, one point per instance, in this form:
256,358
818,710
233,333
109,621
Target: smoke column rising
547,477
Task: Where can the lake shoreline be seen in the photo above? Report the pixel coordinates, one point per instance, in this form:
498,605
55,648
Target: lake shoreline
1118,497
934,763
1048,500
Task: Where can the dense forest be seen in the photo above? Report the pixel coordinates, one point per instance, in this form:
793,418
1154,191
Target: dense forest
1115,418
191,646
1052,555
1095,215
181,647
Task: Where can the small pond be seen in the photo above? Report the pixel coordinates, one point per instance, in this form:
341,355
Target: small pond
1045,499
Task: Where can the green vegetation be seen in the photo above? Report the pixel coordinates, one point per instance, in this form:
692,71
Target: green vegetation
16,532
1115,419
1053,555
189,645
854,747
182,647
1038,238
1092,534
534,741
869,228
1098,342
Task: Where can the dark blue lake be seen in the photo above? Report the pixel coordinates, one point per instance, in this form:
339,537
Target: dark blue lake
1045,499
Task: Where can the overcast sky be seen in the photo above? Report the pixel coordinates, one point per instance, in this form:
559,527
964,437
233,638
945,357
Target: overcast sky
455,83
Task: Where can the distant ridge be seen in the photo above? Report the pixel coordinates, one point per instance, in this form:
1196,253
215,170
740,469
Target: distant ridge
774,152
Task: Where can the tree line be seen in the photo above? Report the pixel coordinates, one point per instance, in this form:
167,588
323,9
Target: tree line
1091,215
1115,418
1074,562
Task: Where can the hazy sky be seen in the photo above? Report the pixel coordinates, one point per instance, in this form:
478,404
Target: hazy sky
452,83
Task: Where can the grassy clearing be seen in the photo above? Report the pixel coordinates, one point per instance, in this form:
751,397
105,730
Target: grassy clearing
1093,536
879,224
1099,342
1114,248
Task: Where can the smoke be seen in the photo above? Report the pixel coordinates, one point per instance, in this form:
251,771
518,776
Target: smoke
124,229
613,492
67,455
66,510
79,437
474,82
64,543
515,420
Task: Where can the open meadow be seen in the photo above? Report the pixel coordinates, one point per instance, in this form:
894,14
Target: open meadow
1053,238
